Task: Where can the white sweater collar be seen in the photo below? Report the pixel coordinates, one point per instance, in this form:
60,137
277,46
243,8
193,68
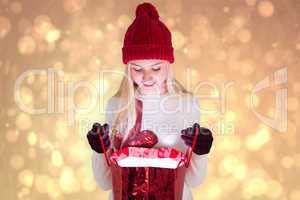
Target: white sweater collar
146,97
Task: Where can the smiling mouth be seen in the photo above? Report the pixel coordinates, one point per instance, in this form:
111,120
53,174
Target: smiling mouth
147,85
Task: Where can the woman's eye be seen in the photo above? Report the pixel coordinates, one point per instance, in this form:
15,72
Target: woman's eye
156,69
137,69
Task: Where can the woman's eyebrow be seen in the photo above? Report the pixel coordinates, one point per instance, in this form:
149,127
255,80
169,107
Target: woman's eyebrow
156,64
136,64
150,65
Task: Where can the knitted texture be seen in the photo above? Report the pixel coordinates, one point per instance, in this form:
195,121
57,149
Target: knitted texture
147,37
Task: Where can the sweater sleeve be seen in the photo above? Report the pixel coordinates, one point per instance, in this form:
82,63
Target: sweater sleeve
101,170
197,170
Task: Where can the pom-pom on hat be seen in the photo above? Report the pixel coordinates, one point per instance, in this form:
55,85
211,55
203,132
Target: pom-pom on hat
147,37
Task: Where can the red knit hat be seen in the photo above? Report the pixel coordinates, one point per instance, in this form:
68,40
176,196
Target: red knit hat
147,37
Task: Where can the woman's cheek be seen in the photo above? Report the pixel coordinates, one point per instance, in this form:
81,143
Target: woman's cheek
136,77
161,78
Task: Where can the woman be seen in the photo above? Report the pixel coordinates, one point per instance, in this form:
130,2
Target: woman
168,110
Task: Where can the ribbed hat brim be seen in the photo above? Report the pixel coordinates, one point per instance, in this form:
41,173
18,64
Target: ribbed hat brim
148,51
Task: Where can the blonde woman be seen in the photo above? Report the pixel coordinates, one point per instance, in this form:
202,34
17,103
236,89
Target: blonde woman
169,111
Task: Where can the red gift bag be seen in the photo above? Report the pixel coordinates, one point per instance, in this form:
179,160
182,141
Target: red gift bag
148,173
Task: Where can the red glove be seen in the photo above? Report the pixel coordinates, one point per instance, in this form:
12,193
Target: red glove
204,139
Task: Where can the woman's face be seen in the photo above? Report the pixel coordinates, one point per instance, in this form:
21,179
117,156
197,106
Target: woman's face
150,75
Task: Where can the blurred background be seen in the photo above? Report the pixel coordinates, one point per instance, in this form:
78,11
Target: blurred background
45,155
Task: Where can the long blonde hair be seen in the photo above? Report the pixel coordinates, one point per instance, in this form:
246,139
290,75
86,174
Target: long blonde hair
126,94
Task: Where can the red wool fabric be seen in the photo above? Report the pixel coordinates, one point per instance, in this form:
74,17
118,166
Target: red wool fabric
137,125
147,37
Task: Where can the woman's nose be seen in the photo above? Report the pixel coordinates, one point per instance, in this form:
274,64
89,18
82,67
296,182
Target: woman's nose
147,76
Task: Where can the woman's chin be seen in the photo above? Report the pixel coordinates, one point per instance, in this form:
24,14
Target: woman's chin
149,91
154,89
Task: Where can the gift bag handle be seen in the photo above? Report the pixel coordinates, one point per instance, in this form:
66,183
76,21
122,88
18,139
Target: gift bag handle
103,147
190,149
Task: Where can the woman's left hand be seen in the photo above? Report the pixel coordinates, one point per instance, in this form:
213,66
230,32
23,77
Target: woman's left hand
204,139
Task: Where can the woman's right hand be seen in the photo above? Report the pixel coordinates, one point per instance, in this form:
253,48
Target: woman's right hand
94,139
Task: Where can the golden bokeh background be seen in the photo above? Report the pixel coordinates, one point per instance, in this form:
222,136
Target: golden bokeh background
46,156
